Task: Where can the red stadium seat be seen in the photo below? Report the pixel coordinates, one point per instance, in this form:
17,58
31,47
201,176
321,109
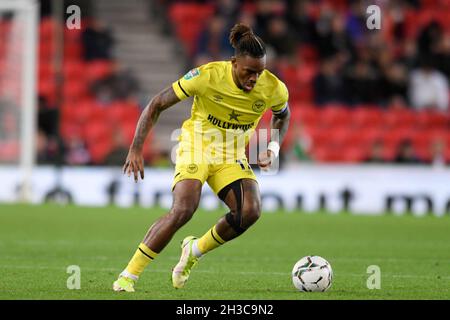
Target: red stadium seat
99,69
47,89
99,139
447,155
81,111
189,19
124,112
354,154
399,119
394,137
74,35
324,154
319,137
364,117
97,131
46,51
308,54
265,120
128,130
99,151
74,90
10,151
421,139
305,114
432,120
73,50
98,114
69,130
74,70
46,71
47,28
371,134
332,116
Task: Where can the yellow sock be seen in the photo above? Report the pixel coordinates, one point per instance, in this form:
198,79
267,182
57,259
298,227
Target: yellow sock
142,257
209,241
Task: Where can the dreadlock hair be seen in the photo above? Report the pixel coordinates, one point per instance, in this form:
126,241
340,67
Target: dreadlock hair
245,42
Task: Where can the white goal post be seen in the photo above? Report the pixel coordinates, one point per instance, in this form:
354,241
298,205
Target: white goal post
18,81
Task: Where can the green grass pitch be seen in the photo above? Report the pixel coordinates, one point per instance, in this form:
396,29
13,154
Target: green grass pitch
38,243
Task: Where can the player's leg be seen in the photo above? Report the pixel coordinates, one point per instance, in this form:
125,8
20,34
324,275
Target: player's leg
243,199
186,197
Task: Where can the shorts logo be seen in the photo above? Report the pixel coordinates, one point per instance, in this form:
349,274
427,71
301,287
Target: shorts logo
191,74
192,168
259,106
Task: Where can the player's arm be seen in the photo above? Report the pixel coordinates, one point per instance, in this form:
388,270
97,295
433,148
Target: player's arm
280,122
134,162
279,125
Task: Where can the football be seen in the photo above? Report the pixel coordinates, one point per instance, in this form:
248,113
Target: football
312,274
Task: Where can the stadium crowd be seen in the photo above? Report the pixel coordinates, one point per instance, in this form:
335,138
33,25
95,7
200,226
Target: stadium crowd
356,95
333,63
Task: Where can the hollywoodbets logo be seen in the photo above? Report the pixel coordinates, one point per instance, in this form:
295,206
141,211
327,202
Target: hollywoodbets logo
228,125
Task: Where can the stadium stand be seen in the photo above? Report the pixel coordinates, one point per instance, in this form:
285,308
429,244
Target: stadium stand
372,108
375,105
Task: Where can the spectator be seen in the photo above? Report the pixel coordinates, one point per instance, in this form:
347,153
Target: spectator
395,83
442,55
280,38
438,153
97,42
397,102
265,11
376,152
429,38
406,154
76,152
227,9
356,22
409,54
332,37
300,22
47,117
120,85
46,148
362,84
328,83
301,144
428,88
213,42
119,150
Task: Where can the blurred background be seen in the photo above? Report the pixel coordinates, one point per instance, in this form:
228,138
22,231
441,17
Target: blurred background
357,96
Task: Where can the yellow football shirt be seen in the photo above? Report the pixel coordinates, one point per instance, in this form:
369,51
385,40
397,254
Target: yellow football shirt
224,117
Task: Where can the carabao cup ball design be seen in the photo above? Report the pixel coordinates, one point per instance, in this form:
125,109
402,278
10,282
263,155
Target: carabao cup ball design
312,274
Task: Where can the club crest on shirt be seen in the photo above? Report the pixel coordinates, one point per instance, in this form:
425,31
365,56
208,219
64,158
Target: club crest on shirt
191,74
258,106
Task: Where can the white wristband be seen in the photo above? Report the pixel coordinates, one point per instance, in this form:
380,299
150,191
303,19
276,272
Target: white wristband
274,147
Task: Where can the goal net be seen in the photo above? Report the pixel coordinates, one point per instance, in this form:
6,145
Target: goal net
18,54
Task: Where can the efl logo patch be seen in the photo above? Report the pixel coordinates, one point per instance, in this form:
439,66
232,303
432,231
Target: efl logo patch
191,74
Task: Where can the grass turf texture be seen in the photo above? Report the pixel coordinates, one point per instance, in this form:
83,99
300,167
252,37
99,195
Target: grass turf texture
38,243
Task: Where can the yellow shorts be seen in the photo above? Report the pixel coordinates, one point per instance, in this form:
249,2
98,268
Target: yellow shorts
218,175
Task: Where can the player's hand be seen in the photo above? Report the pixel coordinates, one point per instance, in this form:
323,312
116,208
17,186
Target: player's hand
265,160
134,164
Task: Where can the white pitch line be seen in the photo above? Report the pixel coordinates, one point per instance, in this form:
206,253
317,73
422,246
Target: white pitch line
284,274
